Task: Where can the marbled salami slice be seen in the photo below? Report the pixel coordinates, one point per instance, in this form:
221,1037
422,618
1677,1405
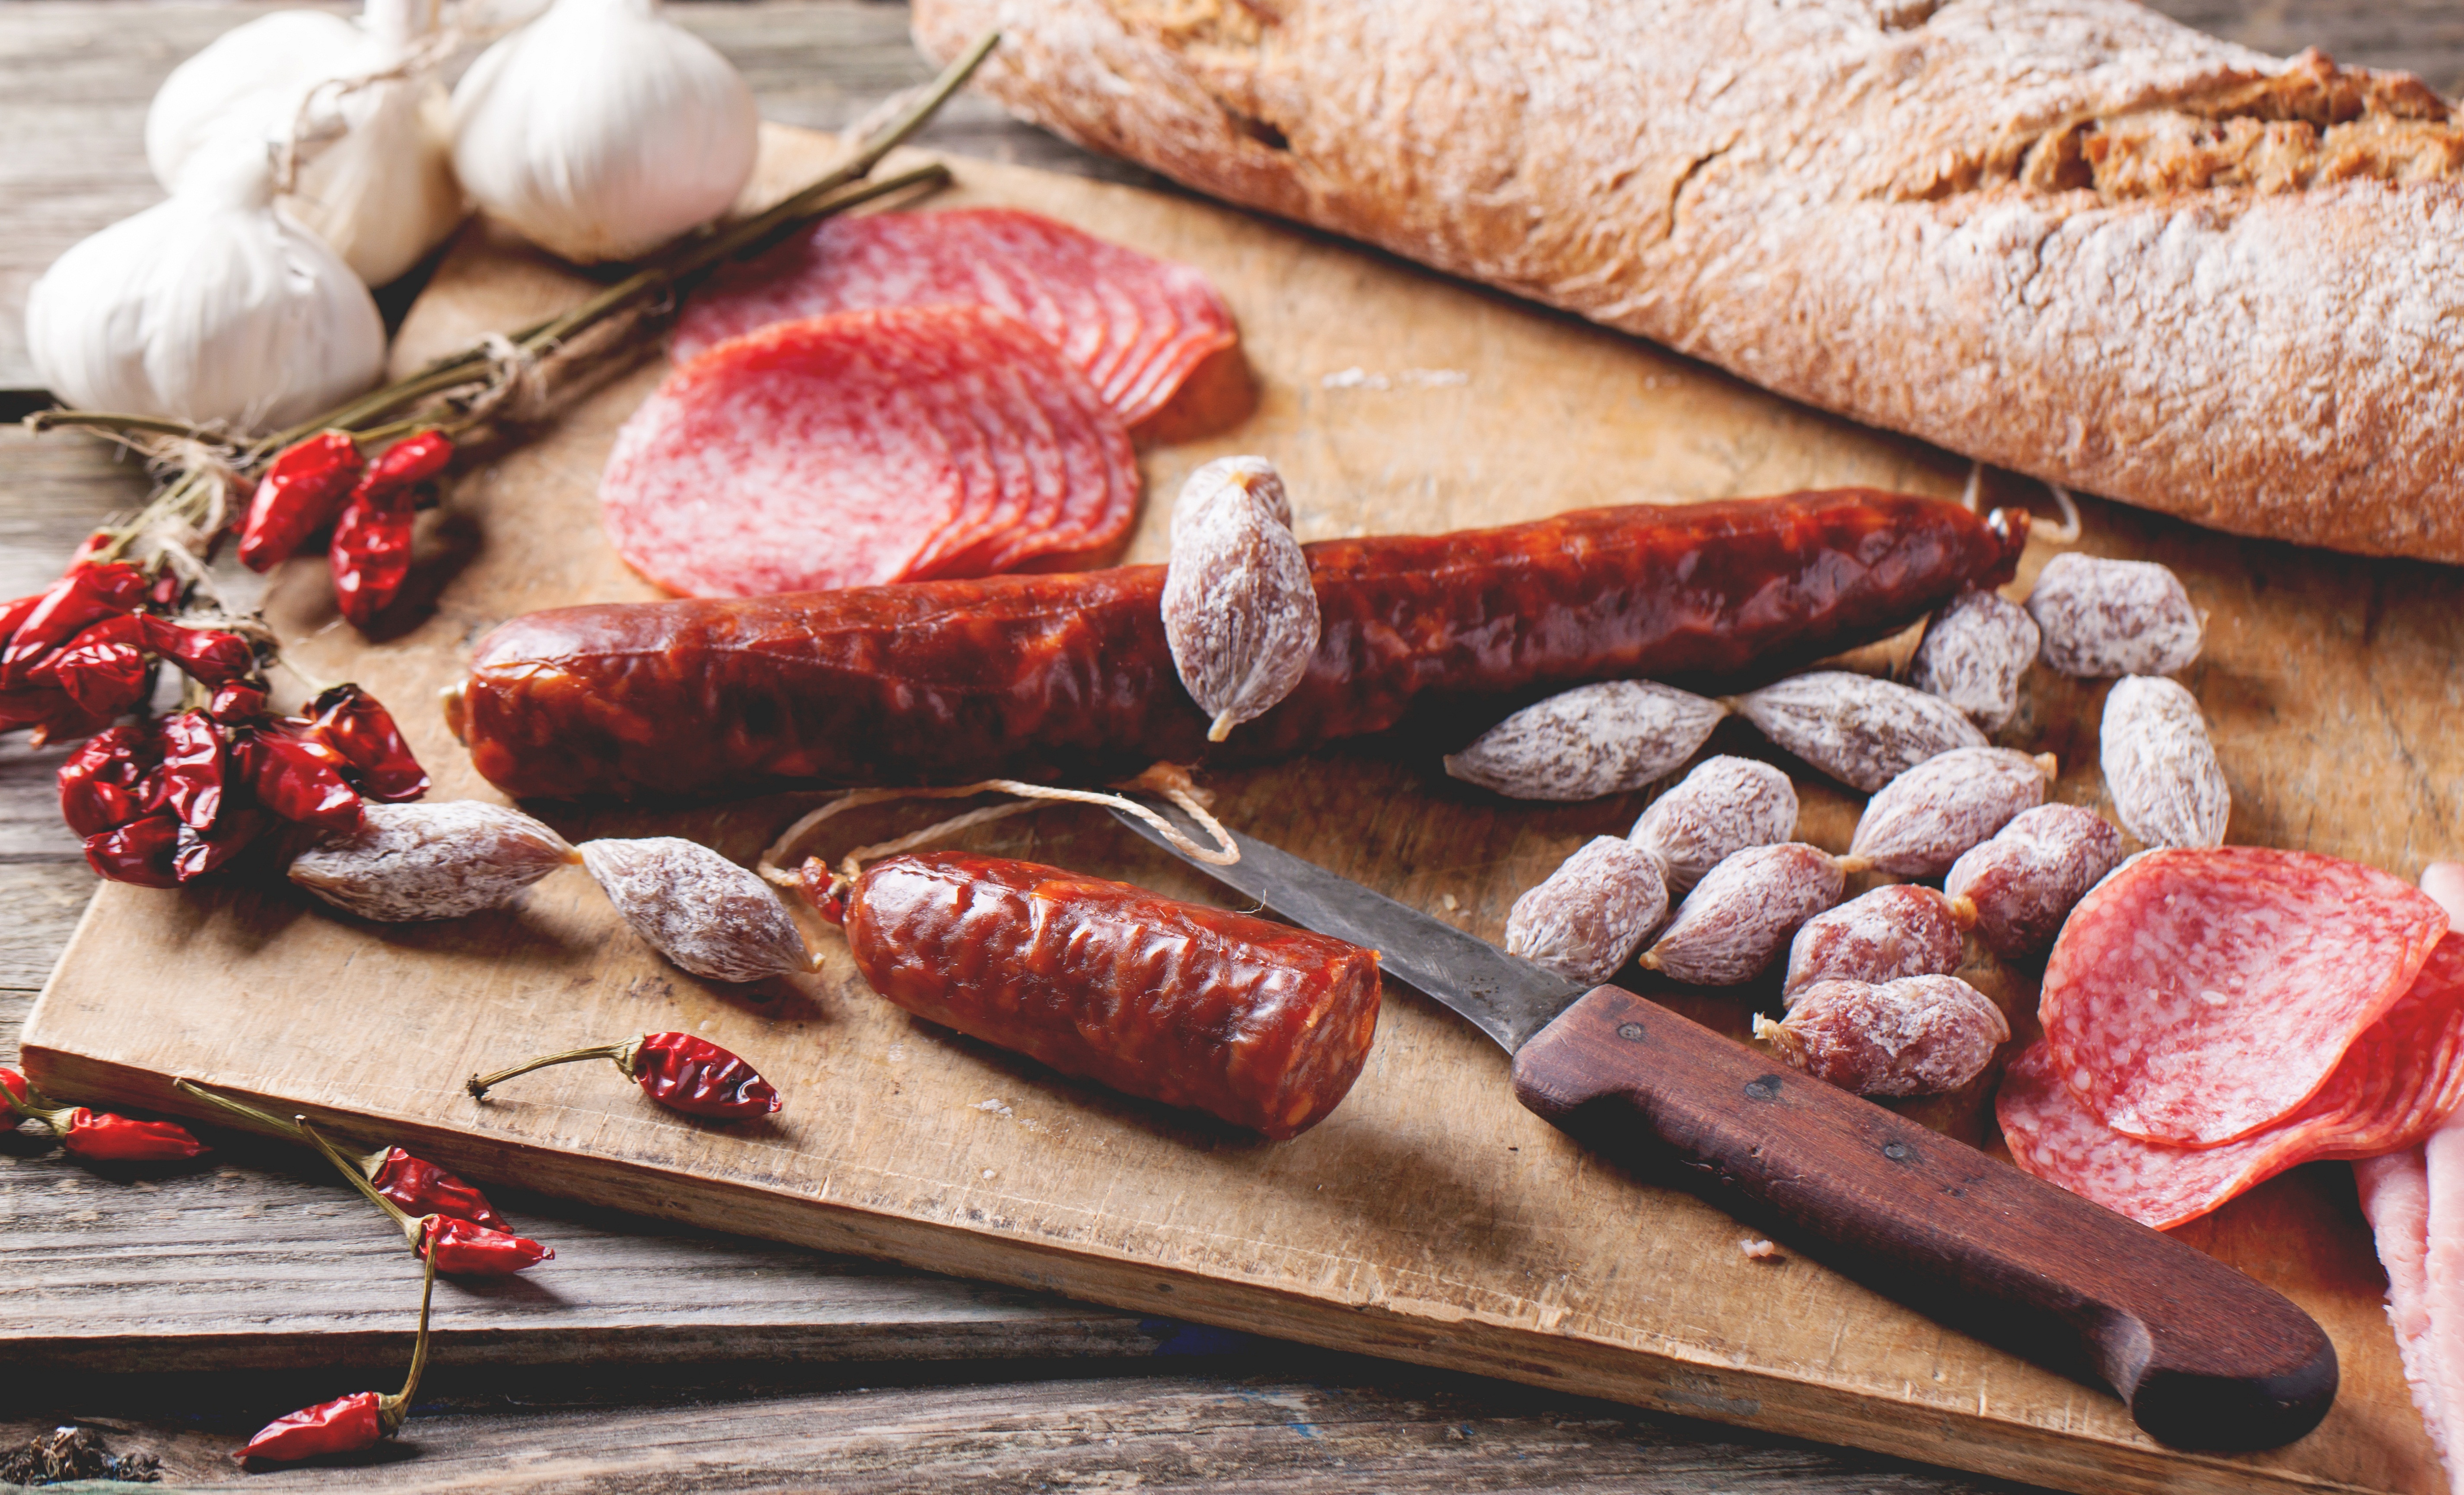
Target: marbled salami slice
2199,996
1135,325
2399,1081
898,445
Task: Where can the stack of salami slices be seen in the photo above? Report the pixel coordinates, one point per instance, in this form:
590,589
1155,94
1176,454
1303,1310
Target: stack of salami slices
904,397
2215,1017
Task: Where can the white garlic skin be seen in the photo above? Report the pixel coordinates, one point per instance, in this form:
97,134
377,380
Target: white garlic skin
214,306
600,131
376,174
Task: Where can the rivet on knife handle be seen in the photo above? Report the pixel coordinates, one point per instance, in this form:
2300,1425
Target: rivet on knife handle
2206,1356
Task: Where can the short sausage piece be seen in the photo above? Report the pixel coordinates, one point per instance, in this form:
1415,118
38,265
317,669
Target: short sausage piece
1257,1023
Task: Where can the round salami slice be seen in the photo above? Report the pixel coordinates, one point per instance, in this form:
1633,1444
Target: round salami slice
897,444
2398,1083
2198,995
1136,326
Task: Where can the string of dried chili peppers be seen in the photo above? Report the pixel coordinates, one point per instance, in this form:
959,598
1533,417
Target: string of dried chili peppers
370,556
415,1185
347,1425
459,1247
100,1136
679,1070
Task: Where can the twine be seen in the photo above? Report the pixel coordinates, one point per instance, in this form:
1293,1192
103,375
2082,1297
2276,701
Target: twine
1169,779
2066,532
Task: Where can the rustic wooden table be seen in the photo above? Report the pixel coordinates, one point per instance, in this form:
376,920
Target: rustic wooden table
175,1311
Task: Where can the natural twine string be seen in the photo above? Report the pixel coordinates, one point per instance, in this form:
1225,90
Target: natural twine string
2066,532
430,53
1169,779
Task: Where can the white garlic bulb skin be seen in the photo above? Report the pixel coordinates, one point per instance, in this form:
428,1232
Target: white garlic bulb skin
601,130
376,173
213,307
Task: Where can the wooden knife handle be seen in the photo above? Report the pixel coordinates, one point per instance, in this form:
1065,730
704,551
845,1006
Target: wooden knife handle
2206,1357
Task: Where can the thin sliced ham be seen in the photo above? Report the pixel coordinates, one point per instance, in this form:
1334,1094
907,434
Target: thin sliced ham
868,446
2201,997
1136,326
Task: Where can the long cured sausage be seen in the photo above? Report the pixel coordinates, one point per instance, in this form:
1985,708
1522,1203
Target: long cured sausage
1260,1023
1069,676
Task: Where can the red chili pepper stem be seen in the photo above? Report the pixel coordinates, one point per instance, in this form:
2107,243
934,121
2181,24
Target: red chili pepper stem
412,1228
368,1164
392,1410
626,1056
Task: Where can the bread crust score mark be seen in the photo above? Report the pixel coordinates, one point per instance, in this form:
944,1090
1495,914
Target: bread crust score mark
2070,237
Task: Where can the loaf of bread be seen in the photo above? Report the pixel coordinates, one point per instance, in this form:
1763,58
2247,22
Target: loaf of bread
2068,237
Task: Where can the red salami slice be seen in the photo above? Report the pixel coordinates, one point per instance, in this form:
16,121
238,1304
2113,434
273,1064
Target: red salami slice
2400,1079
868,446
1136,326
2198,996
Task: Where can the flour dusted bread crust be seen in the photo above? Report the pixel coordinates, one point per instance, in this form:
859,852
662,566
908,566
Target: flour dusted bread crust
2069,237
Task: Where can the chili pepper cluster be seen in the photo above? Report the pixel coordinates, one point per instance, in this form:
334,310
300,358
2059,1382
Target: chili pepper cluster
324,481
167,800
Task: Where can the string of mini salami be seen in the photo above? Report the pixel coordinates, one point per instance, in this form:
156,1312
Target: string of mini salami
1169,779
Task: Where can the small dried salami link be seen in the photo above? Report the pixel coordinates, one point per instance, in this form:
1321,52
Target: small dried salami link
1257,1023
1922,820
2023,882
1725,805
2160,767
1738,919
1238,612
2102,618
1860,730
432,859
1592,913
1593,741
1893,932
701,910
1973,656
1920,1035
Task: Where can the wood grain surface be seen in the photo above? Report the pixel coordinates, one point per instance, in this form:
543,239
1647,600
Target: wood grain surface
1469,1236
76,76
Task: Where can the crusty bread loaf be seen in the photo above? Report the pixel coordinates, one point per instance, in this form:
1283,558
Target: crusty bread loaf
2064,236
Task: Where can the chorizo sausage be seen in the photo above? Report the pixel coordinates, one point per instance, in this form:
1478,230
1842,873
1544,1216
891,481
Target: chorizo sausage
1260,1023
1070,677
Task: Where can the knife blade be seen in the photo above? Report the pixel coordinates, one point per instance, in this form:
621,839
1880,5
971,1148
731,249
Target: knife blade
2204,1355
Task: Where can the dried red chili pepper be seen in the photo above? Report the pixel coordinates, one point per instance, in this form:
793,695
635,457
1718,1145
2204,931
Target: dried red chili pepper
203,851
139,852
347,1425
102,784
195,764
456,1246
21,1092
417,1186
301,490
298,779
676,1069
209,656
101,1134
356,725
412,460
371,553
235,703
104,669
85,596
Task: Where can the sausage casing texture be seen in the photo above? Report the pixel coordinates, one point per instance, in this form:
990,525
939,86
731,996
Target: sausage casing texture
1070,677
1260,1023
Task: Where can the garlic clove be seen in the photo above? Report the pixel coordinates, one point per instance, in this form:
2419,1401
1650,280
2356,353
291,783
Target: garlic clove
211,307
600,131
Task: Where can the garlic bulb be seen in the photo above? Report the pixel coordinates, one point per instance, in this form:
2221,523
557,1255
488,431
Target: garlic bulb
600,131
376,174
213,306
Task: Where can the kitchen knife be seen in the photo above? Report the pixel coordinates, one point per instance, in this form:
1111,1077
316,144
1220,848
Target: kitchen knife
2205,1356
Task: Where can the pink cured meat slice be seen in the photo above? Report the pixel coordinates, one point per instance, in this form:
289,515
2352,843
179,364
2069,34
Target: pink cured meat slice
2198,996
1135,325
866,448
2399,1082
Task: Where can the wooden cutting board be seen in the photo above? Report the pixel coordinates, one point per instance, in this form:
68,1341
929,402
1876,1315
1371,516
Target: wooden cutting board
1431,1219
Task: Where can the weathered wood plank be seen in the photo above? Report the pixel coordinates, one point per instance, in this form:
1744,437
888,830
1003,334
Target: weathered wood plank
1358,1427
